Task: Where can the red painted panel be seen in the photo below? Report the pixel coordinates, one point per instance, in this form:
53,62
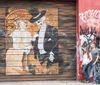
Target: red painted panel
88,20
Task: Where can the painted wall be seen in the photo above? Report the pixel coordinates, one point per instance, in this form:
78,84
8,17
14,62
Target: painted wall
88,30
59,51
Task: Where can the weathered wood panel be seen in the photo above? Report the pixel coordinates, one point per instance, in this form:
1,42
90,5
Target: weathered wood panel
67,38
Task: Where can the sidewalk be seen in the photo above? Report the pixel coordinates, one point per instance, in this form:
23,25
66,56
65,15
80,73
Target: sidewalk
46,83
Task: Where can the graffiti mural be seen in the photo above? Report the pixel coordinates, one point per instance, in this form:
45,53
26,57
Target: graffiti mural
88,51
31,42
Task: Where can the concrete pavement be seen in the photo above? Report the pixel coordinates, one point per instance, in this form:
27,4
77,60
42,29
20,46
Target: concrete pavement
46,83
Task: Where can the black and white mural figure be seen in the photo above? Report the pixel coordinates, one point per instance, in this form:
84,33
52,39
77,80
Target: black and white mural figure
45,41
87,37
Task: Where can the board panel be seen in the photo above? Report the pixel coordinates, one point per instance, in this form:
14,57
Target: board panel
64,19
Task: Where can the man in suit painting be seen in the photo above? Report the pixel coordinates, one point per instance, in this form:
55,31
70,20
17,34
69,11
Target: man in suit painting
45,41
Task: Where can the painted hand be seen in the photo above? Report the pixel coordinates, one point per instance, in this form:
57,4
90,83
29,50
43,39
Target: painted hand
51,58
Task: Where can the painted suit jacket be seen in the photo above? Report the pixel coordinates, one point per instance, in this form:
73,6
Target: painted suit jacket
50,42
